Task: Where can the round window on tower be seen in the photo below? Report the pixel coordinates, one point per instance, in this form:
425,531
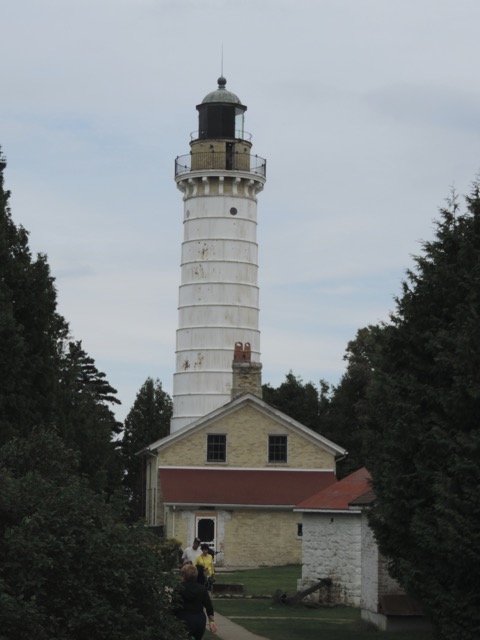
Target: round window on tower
233,211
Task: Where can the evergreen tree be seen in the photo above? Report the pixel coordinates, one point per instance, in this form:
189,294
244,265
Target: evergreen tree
45,378
70,569
296,399
30,330
85,420
424,444
344,415
147,421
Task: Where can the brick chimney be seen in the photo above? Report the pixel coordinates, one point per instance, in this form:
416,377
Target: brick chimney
247,375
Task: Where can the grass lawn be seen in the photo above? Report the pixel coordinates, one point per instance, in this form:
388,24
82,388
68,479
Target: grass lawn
281,622
263,581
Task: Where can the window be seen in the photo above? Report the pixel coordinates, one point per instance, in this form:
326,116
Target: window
299,529
277,448
216,448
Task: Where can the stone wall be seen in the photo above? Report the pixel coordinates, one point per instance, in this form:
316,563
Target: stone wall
331,548
369,599
376,581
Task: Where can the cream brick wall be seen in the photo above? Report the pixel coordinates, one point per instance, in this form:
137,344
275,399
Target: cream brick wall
188,452
255,538
178,527
245,538
247,433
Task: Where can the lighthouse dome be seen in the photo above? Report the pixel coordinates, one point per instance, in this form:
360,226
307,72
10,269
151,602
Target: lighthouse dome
221,94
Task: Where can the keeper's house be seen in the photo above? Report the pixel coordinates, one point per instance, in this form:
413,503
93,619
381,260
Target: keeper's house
233,477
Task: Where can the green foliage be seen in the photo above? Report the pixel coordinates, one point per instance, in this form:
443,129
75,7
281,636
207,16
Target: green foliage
70,569
147,421
345,410
334,412
296,399
45,378
85,420
424,440
170,551
30,330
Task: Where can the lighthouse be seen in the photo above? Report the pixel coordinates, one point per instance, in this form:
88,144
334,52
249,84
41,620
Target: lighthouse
218,303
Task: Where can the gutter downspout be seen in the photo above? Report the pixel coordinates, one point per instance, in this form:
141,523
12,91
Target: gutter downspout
337,460
148,452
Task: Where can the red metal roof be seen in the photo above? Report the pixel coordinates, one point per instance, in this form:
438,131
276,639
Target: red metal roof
365,500
340,494
240,486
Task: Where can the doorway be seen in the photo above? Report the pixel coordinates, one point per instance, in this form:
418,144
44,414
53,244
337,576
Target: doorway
206,529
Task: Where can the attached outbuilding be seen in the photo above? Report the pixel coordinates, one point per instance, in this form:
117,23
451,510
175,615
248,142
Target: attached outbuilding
384,602
332,540
339,544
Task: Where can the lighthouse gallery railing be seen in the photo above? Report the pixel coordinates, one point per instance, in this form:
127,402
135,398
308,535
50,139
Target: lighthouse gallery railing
211,160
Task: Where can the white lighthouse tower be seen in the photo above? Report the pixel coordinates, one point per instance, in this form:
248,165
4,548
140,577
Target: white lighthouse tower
218,297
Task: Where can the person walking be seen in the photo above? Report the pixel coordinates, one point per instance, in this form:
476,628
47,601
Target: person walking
205,560
195,601
190,554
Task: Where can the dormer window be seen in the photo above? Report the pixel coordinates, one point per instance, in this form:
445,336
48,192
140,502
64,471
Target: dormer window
216,447
277,448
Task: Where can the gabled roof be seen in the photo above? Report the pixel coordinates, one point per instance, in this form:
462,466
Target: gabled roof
236,405
235,487
340,495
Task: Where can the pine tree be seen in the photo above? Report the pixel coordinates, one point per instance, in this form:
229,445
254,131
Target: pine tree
85,420
30,330
344,418
45,377
296,399
147,421
424,444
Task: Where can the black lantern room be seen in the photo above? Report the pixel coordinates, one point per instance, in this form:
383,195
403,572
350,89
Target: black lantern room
221,114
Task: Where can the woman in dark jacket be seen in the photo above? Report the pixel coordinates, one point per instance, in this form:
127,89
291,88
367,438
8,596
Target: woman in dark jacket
195,599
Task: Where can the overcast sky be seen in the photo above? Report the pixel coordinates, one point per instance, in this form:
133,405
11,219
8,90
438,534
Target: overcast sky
368,112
